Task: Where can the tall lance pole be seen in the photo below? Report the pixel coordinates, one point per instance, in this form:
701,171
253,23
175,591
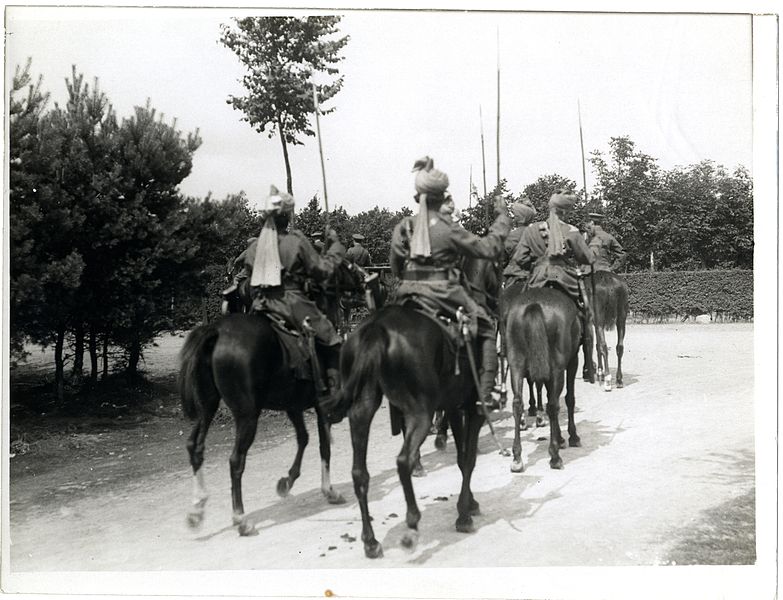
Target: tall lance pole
470,186
497,149
483,157
323,168
582,144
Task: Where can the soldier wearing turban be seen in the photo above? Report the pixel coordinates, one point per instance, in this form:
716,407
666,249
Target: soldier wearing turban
426,254
550,248
281,261
523,214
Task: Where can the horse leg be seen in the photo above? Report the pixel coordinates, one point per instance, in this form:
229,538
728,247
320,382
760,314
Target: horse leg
246,426
467,505
195,447
620,349
517,465
285,484
442,430
553,388
360,418
407,460
325,448
531,409
570,398
540,405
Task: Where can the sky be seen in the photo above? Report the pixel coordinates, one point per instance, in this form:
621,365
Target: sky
417,83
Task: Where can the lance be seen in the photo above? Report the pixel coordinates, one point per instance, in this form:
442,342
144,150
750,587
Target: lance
470,186
582,144
483,158
323,168
497,148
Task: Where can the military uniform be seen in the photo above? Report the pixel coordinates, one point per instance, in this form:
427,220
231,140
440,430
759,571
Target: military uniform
609,254
300,261
523,213
437,278
358,254
531,255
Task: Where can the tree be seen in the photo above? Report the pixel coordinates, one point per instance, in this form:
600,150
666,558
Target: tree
627,193
282,55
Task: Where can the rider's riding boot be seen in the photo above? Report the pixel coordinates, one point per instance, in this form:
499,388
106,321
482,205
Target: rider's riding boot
489,369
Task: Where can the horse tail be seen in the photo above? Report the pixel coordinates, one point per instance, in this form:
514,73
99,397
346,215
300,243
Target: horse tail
360,363
195,374
536,343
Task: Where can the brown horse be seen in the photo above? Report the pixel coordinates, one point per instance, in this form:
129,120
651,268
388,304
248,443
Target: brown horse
543,331
610,309
239,359
407,357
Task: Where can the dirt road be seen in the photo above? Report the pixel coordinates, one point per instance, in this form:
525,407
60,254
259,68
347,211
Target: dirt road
662,463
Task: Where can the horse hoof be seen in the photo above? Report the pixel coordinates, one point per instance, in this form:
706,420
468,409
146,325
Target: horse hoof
373,549
247,529
517,466
619,384
575,442
440,442
334,497
556,463
409,540
195,519
465,525
283,487
418,472
474,509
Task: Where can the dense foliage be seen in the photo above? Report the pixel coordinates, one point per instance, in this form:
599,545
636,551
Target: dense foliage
686,293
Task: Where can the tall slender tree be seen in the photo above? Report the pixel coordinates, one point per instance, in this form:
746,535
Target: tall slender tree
282,56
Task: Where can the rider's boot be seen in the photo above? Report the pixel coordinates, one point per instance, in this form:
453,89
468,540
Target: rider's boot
489,369
329,392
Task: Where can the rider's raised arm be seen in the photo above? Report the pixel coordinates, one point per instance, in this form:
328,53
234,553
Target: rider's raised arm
317,266
490,246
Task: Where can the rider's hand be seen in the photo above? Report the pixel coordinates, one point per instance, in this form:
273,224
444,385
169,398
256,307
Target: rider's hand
500,206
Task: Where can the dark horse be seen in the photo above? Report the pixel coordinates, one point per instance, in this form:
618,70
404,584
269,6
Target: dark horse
543,331
610,308
239,359
407,357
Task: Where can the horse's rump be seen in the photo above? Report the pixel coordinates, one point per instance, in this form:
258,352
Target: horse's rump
611,298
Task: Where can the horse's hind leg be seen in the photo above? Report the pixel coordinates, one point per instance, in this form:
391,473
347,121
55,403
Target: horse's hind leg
553,388
442,430
467,505
573,438
457,422
620,349
246,426
195,447
540,405
517,465
360,417
416,426
325,448
285,484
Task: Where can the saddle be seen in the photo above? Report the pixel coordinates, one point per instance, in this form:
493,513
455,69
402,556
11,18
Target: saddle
448,323
296,355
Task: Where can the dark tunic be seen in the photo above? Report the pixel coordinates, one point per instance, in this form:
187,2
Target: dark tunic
512,273
609,254
449,242
531,255
300,261
358,255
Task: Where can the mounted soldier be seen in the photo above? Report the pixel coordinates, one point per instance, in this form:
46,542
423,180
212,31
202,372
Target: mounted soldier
609,254
550,249
522,213
426,253
357,253
281,263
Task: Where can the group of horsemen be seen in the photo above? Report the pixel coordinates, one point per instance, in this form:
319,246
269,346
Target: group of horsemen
428,251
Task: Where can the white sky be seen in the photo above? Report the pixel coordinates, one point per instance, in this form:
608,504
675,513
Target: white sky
678,85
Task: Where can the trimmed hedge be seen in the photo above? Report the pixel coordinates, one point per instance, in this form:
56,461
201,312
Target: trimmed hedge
686,293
